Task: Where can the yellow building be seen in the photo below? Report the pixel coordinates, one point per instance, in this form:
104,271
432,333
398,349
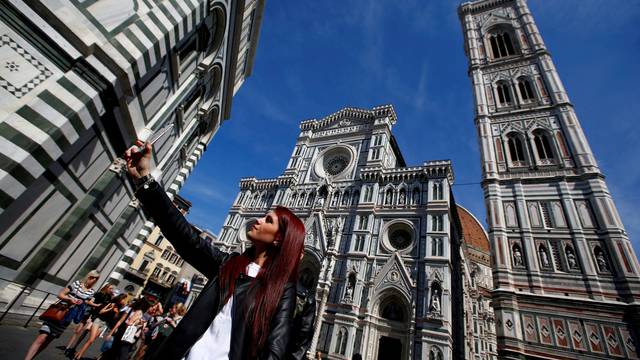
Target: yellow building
154,270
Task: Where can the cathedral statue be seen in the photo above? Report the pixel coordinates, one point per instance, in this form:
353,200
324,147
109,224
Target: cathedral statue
571,258
517,256
337,227
387,198
602,263
402,199
351,284
322,197
544,258
348,295
435,302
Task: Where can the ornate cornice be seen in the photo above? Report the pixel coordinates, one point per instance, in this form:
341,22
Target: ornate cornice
430,169
472,7
383,111
251,183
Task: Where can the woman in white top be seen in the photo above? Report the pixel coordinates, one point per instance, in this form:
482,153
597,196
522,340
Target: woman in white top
78,293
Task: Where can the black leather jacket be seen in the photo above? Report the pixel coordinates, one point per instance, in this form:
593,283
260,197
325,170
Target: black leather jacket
303,323
208,260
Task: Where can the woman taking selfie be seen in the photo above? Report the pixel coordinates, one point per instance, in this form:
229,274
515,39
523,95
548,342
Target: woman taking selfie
245,310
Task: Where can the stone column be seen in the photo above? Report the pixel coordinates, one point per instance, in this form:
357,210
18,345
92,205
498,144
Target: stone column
325,287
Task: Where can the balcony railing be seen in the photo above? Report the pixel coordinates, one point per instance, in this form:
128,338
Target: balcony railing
141,274
156,279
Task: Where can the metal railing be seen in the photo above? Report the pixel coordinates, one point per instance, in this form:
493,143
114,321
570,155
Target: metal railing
141,274
21,301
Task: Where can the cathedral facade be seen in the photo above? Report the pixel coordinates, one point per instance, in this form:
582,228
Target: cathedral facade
383,243
79,82
566,278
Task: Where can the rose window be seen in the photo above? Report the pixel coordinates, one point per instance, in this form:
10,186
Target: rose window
400,238
336,164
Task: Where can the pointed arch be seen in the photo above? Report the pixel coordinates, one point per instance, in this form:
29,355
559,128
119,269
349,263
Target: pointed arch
415,196
437,190
247,199
393,305
435,353
356,198
388,196
402,196
346,196
501,41
302,199
335,198
525,87
341,341
392,308
309,268
516,148
503,90
542,141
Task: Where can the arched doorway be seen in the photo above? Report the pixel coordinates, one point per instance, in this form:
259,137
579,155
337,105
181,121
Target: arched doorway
309,270
390,334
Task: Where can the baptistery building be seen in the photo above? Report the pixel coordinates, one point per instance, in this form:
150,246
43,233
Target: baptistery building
79,82
383,244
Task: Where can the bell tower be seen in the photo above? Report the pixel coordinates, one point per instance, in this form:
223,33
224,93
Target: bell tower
566,277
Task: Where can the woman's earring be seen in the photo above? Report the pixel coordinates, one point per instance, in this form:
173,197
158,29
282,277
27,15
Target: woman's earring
275,243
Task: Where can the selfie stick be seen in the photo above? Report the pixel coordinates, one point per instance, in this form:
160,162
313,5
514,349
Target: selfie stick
157,136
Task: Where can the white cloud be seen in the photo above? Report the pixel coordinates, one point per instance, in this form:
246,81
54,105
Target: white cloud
595,15
199,190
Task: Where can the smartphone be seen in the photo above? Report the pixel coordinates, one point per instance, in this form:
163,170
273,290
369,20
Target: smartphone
157,135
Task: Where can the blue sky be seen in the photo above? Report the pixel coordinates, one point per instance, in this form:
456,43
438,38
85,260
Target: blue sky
316,57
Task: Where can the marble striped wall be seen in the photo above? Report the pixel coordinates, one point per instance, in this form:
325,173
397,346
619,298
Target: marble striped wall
82,79
44,111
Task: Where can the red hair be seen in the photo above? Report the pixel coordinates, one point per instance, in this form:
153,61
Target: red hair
280,267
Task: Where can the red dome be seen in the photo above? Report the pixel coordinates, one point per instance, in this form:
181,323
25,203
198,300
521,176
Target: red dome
472,231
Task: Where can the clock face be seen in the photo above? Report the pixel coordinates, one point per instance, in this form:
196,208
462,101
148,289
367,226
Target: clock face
335,164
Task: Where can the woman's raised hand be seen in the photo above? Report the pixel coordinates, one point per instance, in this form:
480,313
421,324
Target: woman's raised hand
138,162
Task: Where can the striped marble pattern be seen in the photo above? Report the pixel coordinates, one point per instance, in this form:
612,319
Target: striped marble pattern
43,113
148,39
